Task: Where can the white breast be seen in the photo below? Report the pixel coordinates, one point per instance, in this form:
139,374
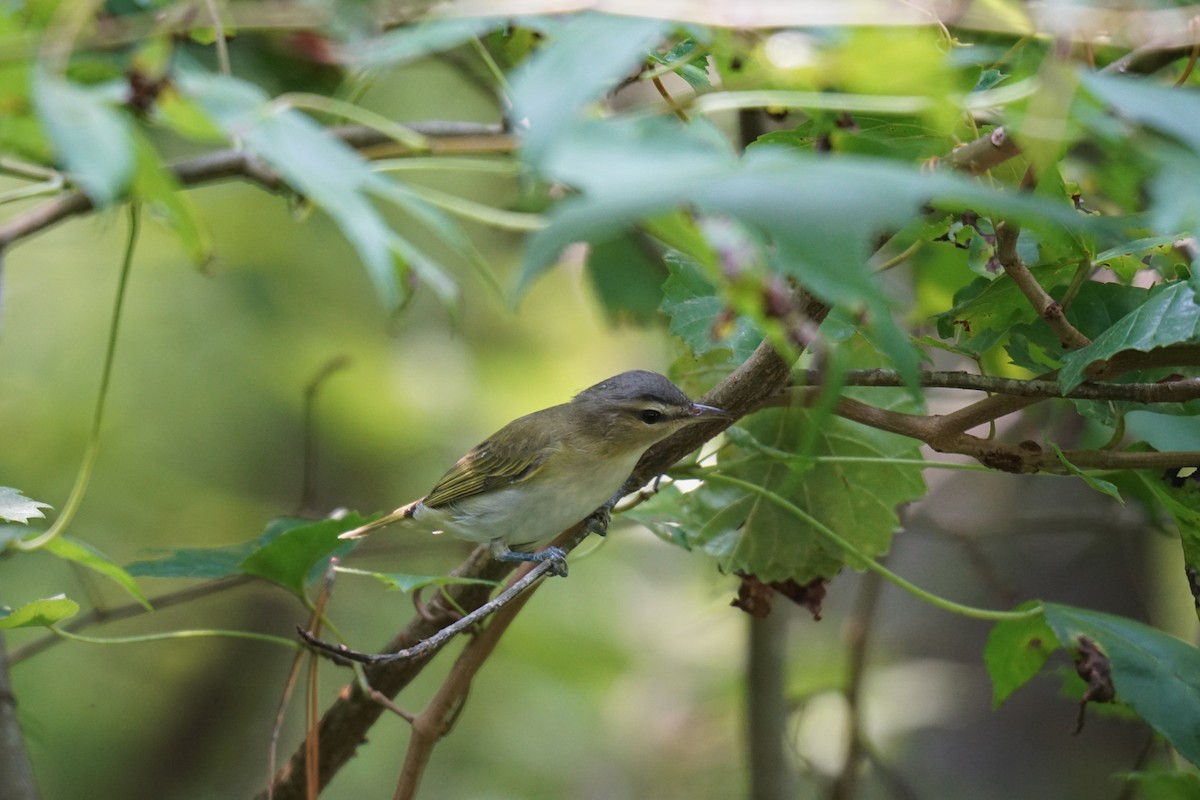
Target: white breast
534,512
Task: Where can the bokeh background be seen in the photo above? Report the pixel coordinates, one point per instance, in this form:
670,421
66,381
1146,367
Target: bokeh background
624,681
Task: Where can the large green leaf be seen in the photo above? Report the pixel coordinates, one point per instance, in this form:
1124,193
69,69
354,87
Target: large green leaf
1170,315
91,136
749,533
1155,673
16,507
821,216
39,613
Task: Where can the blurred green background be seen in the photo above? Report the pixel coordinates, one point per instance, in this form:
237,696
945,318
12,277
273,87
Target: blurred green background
624,681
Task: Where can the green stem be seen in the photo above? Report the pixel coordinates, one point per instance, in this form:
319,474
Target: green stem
93,445
870,563
200,633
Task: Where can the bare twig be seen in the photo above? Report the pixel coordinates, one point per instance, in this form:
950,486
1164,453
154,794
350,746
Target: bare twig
1046,306
1175,391
433,722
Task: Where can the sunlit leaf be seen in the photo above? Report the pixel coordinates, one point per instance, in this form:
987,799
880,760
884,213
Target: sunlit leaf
404,582
39,613
16,507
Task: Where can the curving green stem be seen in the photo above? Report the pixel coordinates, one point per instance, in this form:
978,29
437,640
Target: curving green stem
93,444
201,633
870,563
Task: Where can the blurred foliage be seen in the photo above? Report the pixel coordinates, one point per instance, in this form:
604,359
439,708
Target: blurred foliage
709,172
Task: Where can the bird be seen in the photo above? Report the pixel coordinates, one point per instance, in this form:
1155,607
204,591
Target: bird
547,471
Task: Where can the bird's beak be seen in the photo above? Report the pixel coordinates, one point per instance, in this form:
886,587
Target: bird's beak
700,411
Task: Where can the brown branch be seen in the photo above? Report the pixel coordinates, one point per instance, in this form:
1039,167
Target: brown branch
433,723
447,137
1026,457
345,723
1046,306
988,151
1174,391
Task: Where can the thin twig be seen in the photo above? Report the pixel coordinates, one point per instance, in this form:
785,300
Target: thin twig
1175,391
1046,306
433,722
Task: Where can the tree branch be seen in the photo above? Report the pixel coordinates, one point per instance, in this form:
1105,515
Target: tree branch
447,137
1046,306
1176,391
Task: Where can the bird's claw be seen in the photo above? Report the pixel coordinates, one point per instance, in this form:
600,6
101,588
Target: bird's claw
597,523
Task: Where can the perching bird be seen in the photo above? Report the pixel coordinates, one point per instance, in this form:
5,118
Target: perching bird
545,472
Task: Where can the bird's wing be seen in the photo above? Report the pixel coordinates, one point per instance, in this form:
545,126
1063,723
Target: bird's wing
490,465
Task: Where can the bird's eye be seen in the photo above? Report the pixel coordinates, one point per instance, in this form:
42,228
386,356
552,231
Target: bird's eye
651,416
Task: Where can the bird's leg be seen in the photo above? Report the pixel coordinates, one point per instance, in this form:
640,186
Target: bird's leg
555,555
597,521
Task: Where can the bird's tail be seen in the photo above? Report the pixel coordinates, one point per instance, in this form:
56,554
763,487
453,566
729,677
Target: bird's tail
404,512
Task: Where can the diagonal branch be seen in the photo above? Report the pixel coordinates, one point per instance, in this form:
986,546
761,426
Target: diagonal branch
1046,306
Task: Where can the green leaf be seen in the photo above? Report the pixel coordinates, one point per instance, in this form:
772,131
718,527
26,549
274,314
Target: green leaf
627,275
597,51
39,613
1172,111
1099,484
690,300
635,168
748,533
224,562
1183,505
985,306
1169,316
91,137
1163,784
1156,674
16,507
329,174
84,554
156,186
298,550
1015,651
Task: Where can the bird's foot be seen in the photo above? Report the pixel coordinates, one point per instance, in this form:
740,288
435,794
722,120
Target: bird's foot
555,555
597,522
